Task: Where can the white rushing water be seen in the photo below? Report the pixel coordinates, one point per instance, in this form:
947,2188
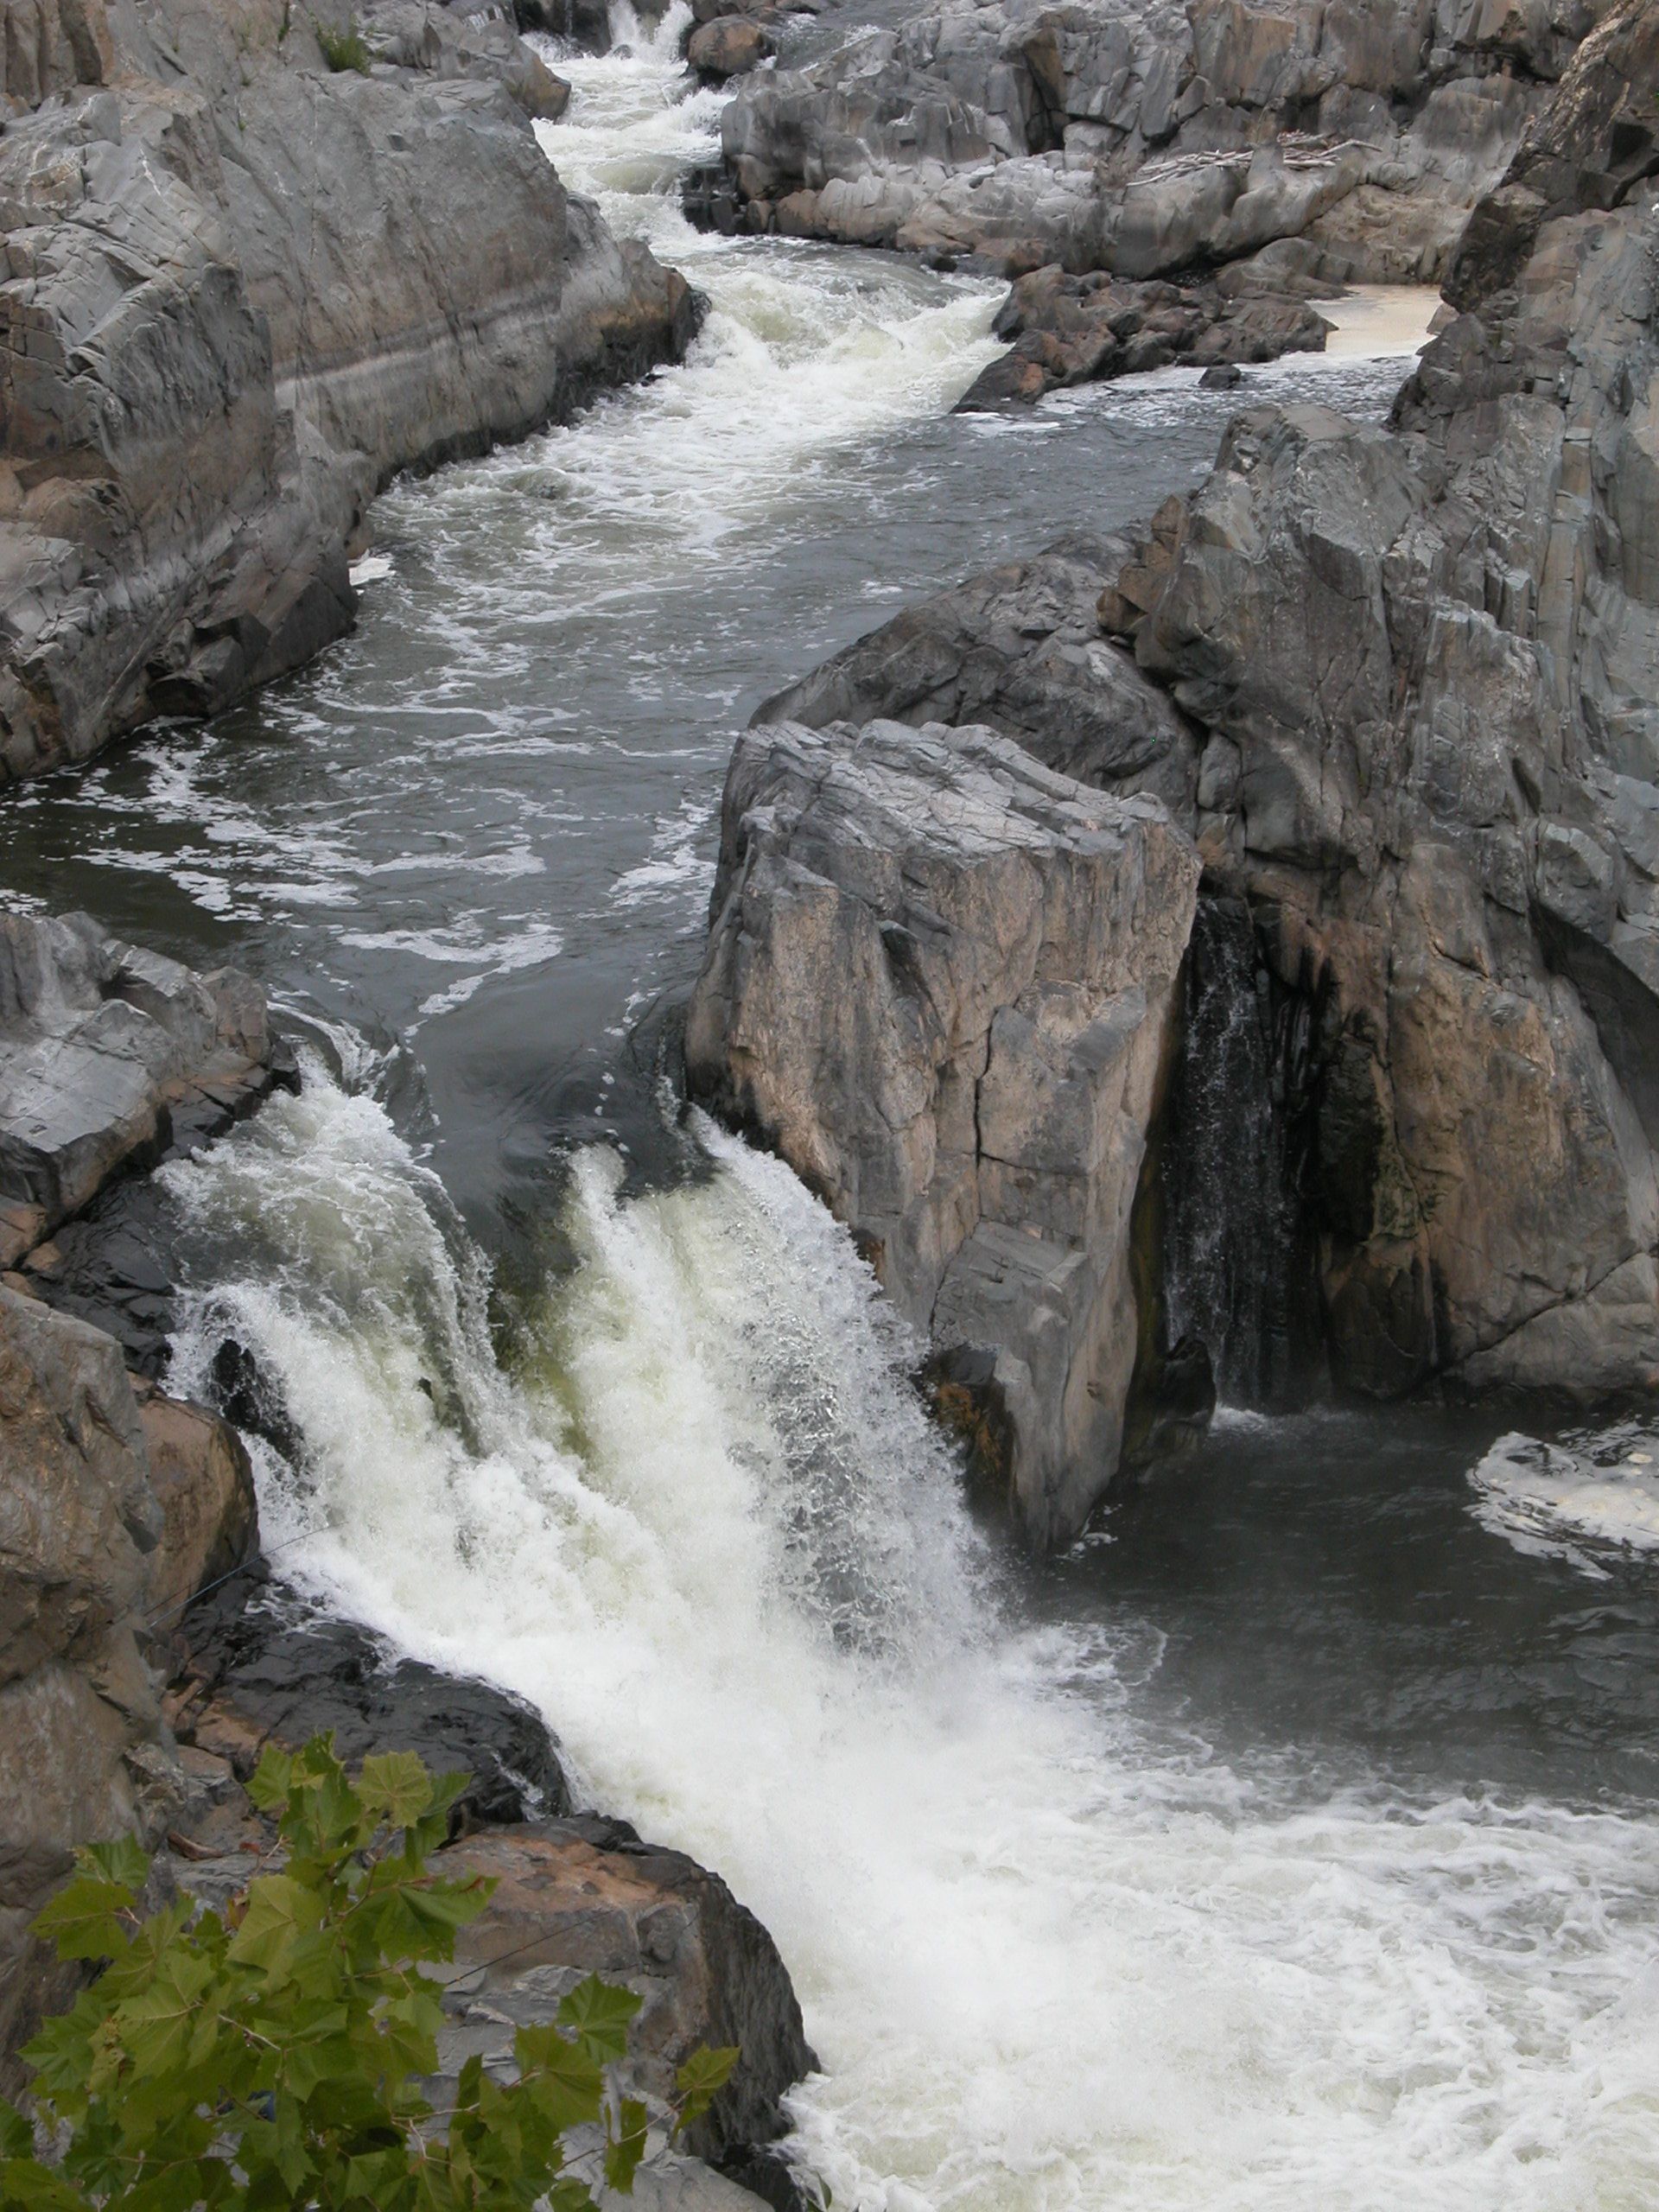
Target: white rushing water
1048,1961
1588,1499
1053,1959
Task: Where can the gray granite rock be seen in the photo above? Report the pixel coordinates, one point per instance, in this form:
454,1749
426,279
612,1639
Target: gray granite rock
1143,138
242,288
939,981
103,1044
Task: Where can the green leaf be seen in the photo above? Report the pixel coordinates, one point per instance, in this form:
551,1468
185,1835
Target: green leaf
397,1785
626,2147
17,2136
280,1911
126,1860
157,2026
565,2080
599,2013
272,1779
84,1920
701,2079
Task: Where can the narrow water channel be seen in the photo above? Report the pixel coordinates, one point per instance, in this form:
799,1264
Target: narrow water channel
1292,1844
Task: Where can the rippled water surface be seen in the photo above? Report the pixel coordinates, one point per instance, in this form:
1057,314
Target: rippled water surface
1288,1846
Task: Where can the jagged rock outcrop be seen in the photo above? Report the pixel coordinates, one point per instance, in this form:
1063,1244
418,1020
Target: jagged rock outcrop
1071,330
940,981
108,1509
111,1056
1018,648
1422,662
242,289
1142,137
1293,142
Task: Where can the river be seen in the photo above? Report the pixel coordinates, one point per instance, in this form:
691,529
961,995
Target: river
1290,1844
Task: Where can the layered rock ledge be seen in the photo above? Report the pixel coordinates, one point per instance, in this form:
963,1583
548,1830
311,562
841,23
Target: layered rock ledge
940,981
243,288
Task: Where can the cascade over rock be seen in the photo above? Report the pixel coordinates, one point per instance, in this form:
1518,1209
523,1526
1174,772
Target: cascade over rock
247,280
940,981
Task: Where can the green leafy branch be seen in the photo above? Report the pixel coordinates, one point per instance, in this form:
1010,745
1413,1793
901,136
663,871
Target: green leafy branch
272,2057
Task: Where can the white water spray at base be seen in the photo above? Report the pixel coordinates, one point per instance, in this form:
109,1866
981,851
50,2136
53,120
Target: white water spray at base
1048,1962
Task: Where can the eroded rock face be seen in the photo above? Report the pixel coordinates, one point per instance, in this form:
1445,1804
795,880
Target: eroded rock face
1143,138
104,1044
95,1533
242,289
939,981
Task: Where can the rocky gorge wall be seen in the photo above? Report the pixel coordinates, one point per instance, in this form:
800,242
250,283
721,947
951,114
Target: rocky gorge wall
1396,685
243,288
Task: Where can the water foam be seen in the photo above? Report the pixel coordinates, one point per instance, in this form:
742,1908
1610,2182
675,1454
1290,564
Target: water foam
1589,1499
1050,1960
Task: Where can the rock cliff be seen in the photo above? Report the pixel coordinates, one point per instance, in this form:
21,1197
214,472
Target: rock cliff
244,286
1398,683
940,981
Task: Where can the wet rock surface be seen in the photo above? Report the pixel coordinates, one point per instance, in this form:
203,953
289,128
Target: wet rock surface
940,981
1072,330
254,1664
255,267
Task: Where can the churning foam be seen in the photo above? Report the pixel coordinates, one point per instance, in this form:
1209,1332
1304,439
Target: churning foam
1048,1962
1586,1500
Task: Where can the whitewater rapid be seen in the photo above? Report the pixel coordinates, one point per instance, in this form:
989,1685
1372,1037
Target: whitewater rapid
1056,1954
1051,1957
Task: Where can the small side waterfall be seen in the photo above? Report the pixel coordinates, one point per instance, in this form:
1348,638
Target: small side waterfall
1234,1277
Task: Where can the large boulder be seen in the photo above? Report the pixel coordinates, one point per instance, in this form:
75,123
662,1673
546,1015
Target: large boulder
1018,648
90,1547
939,981
257,262
586,1896
109,1052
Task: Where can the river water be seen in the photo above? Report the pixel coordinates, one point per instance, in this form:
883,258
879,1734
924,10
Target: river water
1290,1844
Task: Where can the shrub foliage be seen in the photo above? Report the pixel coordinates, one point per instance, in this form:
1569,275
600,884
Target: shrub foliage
272,2055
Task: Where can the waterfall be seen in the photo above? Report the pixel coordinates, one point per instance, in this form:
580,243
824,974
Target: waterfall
1232,1241
1054,1961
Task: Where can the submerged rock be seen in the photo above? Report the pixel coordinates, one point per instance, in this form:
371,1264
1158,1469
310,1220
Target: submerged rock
940,981
257,265
729,46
